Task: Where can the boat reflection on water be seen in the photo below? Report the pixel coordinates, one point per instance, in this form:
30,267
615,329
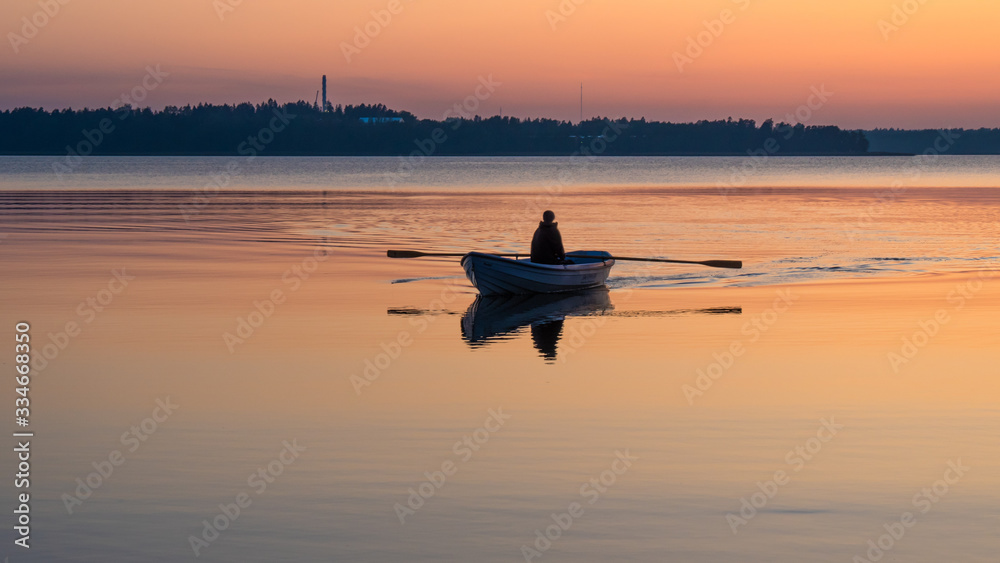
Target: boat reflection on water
497,318
500,317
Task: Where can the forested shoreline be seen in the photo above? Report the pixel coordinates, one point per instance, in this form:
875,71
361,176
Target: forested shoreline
374,130
941,141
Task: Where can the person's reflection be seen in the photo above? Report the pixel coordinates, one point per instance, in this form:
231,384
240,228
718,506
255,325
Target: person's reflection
545,335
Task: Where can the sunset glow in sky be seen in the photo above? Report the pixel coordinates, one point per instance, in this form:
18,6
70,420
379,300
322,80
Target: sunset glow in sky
889,63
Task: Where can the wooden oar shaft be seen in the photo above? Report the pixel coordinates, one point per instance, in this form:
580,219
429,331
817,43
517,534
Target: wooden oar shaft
734,264
418,254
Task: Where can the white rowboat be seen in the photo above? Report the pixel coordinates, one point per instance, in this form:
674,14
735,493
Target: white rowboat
496,275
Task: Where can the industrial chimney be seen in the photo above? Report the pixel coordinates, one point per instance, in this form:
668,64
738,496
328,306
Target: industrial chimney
324,93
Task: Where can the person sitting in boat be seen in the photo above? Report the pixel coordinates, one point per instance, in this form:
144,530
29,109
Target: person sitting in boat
547,245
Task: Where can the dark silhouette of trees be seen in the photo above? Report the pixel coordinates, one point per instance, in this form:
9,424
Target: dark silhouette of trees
947,141
222,129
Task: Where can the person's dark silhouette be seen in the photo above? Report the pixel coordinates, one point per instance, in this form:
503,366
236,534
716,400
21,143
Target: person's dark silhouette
547,245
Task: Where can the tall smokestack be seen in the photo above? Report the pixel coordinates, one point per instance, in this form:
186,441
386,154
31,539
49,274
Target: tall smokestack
324,92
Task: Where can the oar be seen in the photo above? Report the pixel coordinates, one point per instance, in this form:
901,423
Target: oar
733,264
418,254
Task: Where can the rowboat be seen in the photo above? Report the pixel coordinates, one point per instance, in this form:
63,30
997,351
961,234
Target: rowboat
497,275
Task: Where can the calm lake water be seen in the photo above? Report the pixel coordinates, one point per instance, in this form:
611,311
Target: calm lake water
841,388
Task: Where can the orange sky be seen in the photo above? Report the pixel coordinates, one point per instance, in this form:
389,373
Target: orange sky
938,68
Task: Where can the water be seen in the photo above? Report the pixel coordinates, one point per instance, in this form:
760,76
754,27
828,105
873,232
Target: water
858,305
463,173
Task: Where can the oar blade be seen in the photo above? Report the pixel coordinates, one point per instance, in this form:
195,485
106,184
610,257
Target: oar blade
404,254
732,264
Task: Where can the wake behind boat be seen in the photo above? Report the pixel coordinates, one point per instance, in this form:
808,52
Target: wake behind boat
498,275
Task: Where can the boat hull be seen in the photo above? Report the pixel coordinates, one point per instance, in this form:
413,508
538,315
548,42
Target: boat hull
496,275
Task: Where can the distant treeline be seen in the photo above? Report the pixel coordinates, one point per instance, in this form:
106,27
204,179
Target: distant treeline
944,141
369,130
